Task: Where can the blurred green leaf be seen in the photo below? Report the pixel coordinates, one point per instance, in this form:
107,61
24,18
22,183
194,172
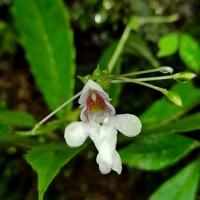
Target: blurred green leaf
154,152
189,52
162,112
182,186
4,127
17,141
136,45
115,89
189,123
46,35
17,118
7,38
168,44
47,160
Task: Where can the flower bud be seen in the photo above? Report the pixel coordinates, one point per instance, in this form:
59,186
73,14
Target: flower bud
166,70
101,77
172,97
183,77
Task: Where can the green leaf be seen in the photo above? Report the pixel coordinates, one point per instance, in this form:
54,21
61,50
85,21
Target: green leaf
162,112
182,186
168,44
189,123
17,141
189,52
47,160
157,151
46,35
136,45
17,118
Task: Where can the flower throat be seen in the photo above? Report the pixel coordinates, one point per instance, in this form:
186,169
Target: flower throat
95,104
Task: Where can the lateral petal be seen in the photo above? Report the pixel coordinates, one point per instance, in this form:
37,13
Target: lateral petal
76,133
117,163
127,124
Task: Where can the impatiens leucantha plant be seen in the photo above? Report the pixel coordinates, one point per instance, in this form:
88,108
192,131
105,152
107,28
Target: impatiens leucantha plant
100,123
98,119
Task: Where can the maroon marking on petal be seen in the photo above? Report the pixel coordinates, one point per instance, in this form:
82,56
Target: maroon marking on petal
96,104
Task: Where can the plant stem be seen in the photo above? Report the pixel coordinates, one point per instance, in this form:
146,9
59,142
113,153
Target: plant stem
54,112
154,78
139,22
164,69
127,80
119,47
158,19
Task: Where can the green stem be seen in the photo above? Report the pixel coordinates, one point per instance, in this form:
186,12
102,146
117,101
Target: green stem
135,23
154,78
158,19
150,86
119,47
164,69
127,80
54,112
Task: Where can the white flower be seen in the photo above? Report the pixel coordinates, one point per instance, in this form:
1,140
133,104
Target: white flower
100,123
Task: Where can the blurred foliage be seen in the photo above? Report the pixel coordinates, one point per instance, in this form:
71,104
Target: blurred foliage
186,180
7,38
188,47
37,73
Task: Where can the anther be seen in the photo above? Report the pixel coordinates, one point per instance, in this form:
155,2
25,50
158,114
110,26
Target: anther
93,97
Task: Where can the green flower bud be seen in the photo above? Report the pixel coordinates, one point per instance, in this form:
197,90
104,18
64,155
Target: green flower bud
101,77
183,77
172,97
166,70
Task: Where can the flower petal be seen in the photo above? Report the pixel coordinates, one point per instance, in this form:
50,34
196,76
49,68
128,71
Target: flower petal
108,133
91,85
109,159
110,108
105,157
93,133
103,167
76,133
117,163
127,124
